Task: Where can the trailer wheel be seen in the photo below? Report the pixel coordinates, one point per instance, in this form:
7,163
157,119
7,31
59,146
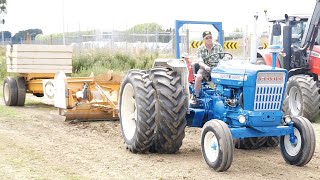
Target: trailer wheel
137,111
216,145
301,151
10,91
172,100
250,143
21,91
304,98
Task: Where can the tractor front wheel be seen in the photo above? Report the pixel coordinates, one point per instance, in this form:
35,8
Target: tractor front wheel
217,145
299,150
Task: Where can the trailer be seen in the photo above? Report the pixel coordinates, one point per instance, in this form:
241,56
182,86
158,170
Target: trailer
41,70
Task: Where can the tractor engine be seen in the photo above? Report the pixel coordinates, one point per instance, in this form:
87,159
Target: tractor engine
243,95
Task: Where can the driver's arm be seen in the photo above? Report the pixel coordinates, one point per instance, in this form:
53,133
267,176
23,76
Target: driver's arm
201,62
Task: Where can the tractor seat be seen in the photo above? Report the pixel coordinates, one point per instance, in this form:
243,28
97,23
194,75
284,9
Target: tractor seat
195,67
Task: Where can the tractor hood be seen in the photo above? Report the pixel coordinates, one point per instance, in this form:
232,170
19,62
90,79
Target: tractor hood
236,72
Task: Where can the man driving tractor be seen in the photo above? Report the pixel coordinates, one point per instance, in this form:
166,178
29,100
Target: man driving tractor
207,58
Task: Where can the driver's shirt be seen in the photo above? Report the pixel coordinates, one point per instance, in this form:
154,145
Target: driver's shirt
209,58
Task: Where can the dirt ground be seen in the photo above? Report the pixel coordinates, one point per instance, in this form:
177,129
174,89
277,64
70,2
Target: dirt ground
35,143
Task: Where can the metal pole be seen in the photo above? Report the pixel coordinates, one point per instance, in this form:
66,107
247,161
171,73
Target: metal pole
254,39
2,36
63,36
187,42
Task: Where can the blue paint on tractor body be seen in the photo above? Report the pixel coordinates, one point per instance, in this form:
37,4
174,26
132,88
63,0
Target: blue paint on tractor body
243,89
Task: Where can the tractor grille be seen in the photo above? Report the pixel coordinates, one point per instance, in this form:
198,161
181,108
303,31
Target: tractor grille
269,91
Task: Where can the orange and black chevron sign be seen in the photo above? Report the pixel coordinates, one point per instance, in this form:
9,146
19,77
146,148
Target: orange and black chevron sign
196,44
264,45
230,45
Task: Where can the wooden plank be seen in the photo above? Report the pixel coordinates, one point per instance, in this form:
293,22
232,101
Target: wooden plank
31,67
43,61
38,71
41,55
39,48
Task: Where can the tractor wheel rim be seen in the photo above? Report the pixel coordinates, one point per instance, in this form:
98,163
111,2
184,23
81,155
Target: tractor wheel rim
6,92
293,148
211,146
295,101
129,113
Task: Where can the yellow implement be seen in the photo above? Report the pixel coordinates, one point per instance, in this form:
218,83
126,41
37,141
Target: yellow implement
87,98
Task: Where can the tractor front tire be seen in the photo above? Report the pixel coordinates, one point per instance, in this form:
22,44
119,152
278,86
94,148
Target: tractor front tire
172,101
301,151
137,111
10,91
217,145
304,97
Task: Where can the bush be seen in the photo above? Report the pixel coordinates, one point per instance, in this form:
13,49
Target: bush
99,62
3,66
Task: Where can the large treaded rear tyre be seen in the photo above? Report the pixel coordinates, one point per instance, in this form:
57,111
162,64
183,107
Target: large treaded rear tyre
301,151
137,111
304,98
21,91
10,91
172,102
216,145
250,143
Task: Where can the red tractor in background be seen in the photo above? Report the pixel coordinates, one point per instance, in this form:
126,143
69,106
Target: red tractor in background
301,57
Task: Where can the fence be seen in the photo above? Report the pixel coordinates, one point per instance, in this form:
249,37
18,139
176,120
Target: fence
138,43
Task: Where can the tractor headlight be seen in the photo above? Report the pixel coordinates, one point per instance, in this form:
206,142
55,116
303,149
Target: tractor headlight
242,119
287,119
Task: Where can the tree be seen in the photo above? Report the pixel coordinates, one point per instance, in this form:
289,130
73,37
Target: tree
22,35
144,29
3,6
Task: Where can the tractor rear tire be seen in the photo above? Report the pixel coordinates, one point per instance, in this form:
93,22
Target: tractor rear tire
260,61
137,111
216,145
21,91
172,103
250,143
301,151
272,141
10,91
304,97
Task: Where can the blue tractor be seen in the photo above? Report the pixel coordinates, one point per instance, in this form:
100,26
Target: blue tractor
244,101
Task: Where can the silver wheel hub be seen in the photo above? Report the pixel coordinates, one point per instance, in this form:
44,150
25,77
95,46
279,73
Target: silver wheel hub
293,148
295,101
128,112
6,92
211,146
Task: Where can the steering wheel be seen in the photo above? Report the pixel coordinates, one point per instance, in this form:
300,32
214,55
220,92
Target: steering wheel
225,56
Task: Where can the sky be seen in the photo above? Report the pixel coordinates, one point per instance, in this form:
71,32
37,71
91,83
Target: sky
104,15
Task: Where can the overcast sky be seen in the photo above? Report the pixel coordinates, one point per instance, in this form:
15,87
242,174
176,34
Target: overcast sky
48,15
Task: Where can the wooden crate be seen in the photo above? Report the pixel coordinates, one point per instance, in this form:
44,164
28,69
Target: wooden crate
25,58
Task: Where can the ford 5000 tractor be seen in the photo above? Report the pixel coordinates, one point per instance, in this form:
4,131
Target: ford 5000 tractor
245,102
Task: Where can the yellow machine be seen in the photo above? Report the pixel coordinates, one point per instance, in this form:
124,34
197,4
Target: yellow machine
40,70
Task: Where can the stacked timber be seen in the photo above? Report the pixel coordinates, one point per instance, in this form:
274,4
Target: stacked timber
26,58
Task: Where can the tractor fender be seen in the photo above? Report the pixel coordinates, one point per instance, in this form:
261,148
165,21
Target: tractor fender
266,56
